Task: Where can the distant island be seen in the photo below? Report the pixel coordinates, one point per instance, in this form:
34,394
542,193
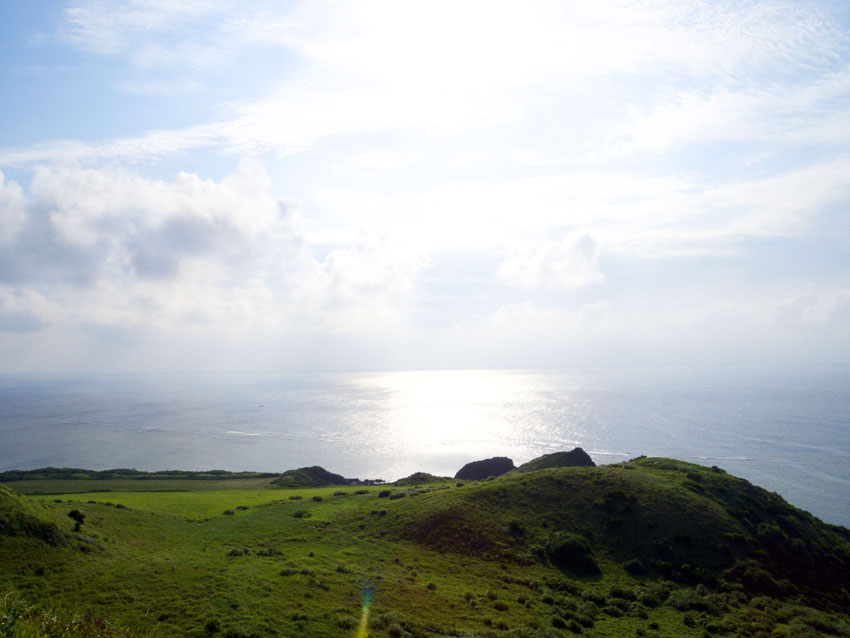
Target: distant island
554,547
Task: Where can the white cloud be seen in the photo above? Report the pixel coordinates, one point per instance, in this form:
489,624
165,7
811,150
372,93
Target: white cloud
571,262
814,309
360,67
771,112
12,215
357,288
23,310
106,247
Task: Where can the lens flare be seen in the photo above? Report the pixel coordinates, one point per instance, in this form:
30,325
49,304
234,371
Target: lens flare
363,628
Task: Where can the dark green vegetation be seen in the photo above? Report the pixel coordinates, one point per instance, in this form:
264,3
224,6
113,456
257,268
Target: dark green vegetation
652,547
575,458
314,476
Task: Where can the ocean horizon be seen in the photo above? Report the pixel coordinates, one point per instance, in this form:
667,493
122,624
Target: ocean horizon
788,432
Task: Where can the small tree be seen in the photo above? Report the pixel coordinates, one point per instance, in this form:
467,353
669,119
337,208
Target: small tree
78,517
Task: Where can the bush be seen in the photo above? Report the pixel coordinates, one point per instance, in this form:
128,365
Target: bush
228,512
618,591
384,493
212,627
635,567
573,626
318,499
346,623
571,551
78,517
396,495
301,514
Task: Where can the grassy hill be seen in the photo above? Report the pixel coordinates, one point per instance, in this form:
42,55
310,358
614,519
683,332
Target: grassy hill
314,476
652,547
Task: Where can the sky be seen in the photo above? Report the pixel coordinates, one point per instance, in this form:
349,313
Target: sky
215,185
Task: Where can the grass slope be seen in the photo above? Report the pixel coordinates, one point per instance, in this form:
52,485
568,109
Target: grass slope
681,550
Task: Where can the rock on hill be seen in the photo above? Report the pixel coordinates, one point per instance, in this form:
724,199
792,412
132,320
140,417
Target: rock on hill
575,458
314,476
477,470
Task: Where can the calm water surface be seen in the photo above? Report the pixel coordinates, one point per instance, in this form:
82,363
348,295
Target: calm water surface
788,432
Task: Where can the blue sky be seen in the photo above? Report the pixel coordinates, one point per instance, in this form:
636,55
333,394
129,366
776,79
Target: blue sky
215,184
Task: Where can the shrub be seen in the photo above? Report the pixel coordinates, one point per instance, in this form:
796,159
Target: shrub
318,499
573,626
346,623
212,627
242,507
397,495
361,492
571,551
235,552
635,566
618,591
295,497
78,517
301,514
228,512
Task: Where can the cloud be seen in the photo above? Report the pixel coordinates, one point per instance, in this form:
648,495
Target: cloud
770,112
571,262
814,309
12,215
496,62
108,248
358,287
24,310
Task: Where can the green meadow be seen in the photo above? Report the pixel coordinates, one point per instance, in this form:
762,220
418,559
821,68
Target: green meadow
651,547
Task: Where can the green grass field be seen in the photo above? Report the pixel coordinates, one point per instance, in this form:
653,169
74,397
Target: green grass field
79,486
679,550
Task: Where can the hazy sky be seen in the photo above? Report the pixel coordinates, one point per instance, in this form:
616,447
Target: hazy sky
220,184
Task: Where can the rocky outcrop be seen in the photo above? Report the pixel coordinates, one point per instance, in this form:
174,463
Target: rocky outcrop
574,458
477,470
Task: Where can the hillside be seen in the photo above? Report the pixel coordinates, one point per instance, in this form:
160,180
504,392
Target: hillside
314,476
651,547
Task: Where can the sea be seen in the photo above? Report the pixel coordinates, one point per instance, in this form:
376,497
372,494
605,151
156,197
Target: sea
785,430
